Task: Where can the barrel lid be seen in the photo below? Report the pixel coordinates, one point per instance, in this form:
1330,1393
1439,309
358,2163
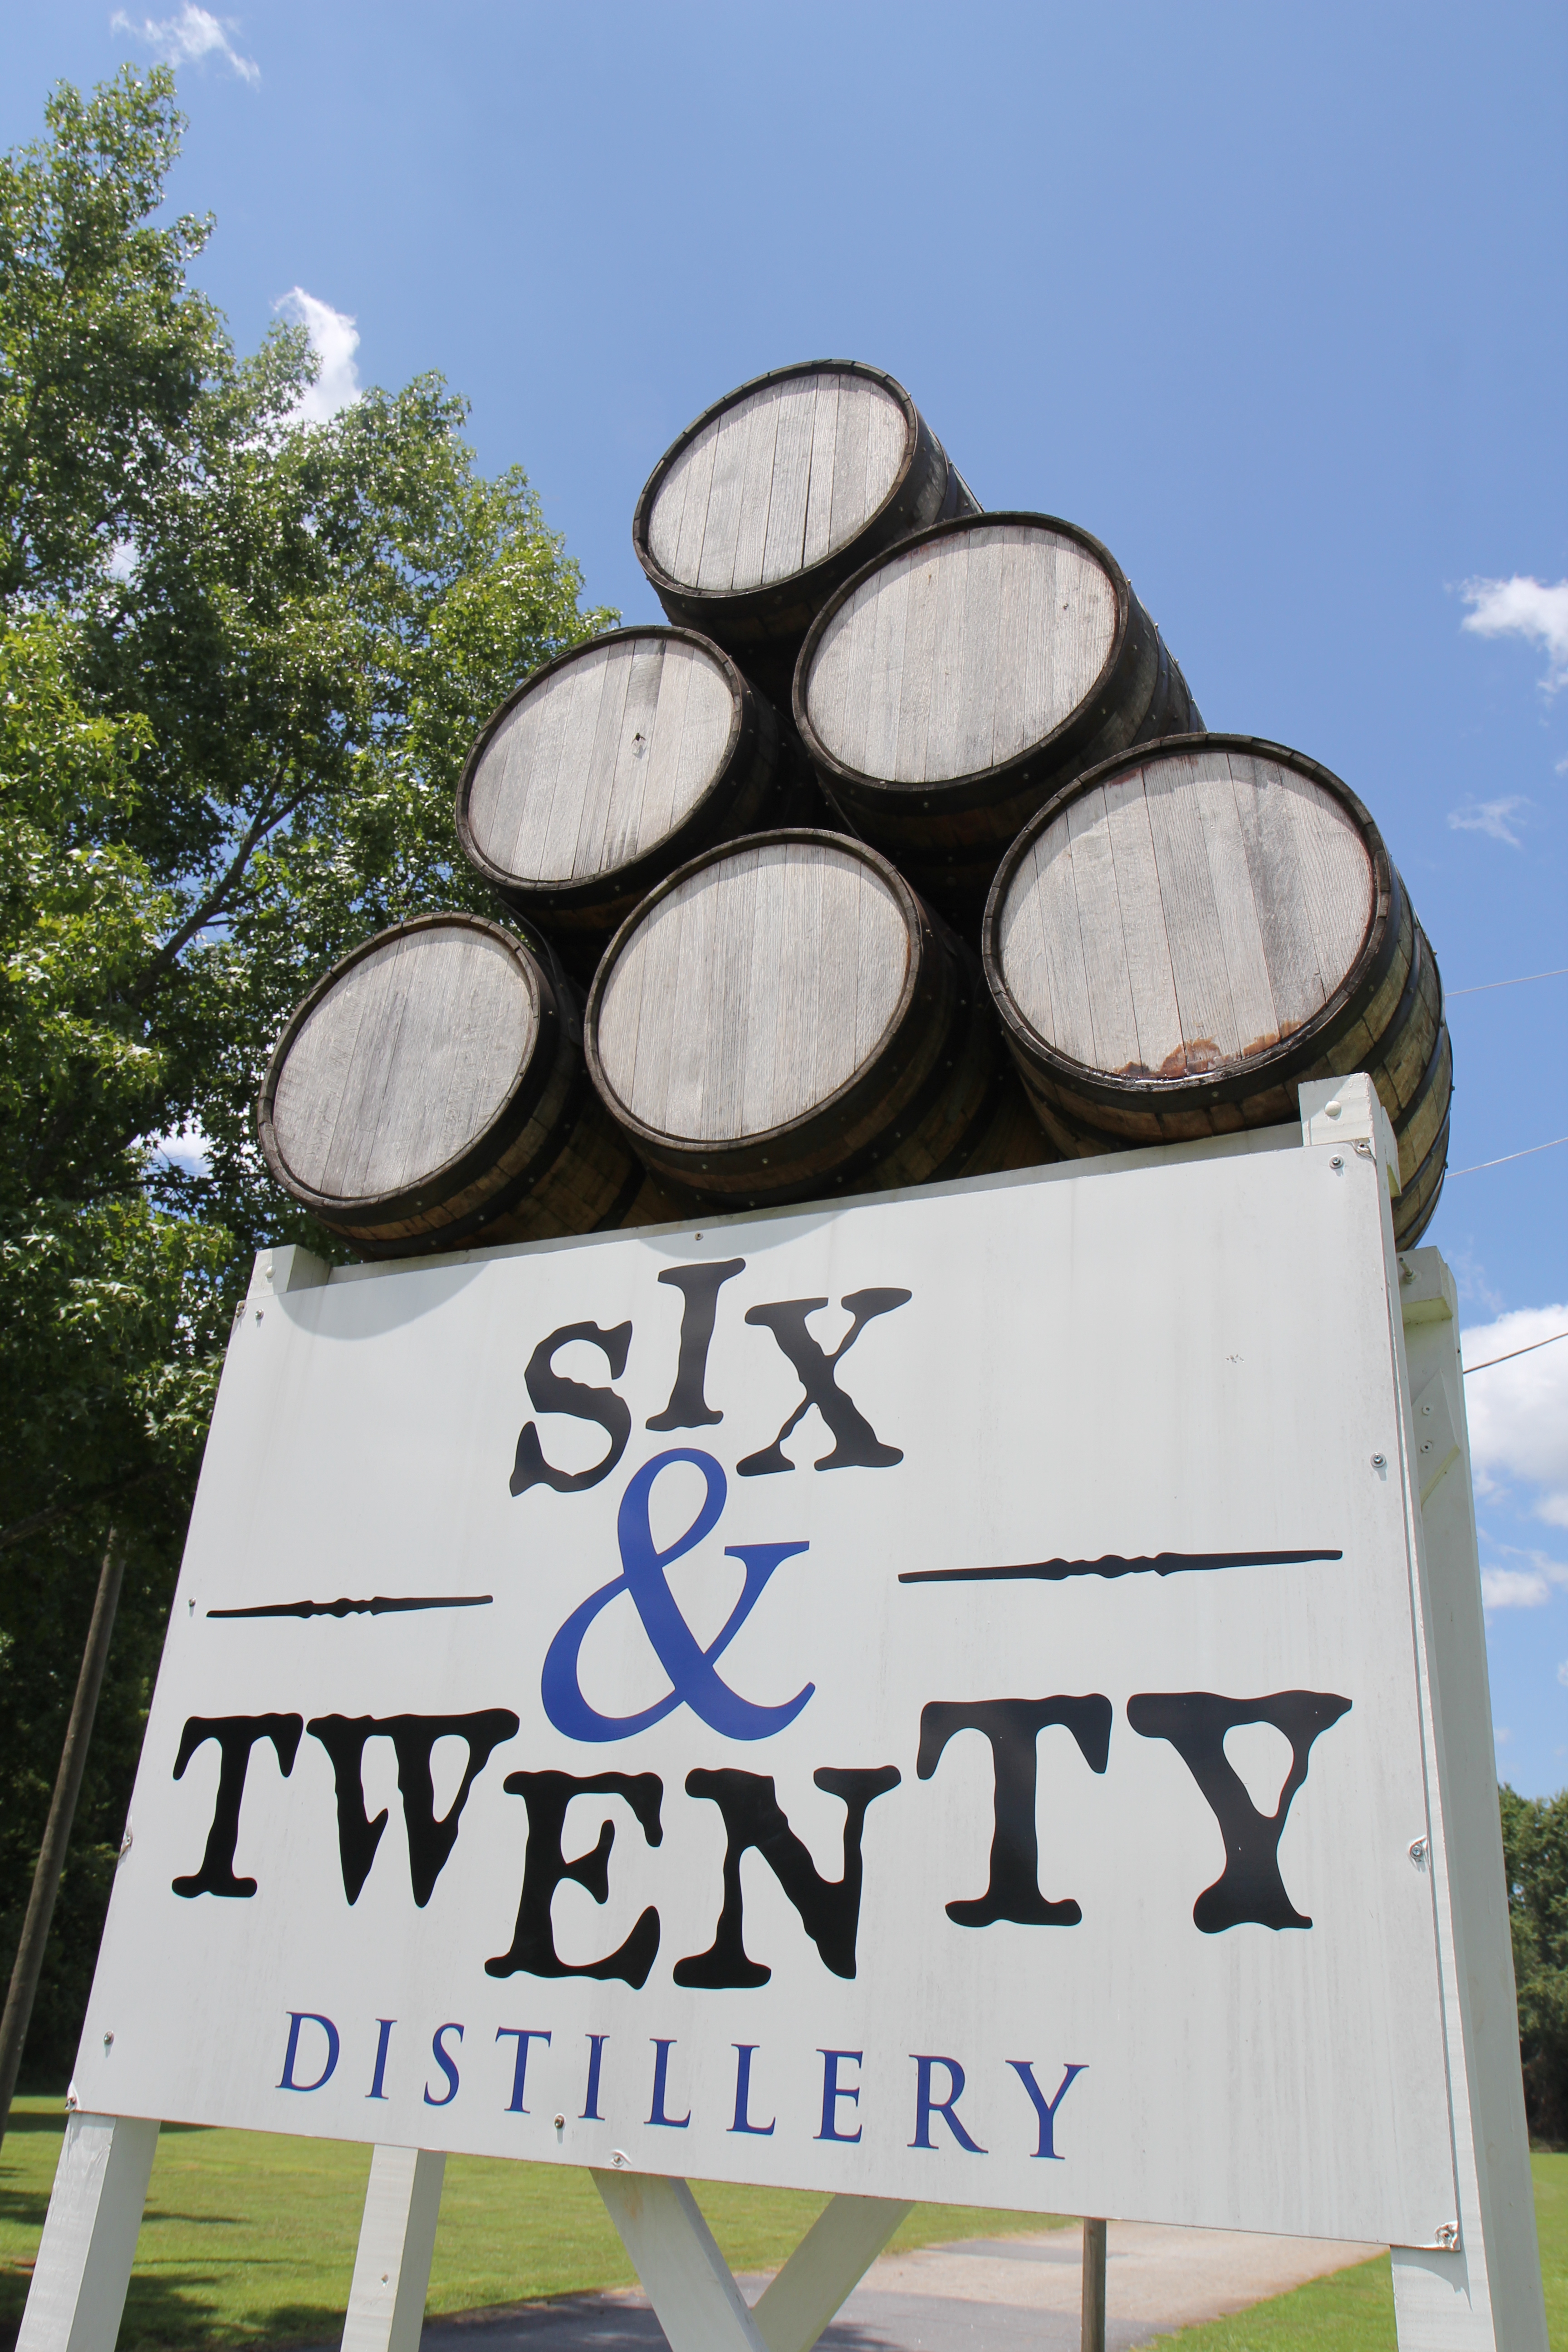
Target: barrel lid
962,654
600,760
776,479
1209,906
407,1066
746,997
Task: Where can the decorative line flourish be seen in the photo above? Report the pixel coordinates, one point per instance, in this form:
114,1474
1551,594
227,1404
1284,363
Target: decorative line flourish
380,1606
1111,1563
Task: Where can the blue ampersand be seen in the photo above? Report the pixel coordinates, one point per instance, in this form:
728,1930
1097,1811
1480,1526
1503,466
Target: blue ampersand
690,1668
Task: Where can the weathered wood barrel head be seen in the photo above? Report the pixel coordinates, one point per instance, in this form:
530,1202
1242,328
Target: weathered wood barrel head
1181,937
784,1019
777,493
613,765
949,689
431,1090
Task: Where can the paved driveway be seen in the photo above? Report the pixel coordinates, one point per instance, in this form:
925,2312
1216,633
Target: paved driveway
982,2294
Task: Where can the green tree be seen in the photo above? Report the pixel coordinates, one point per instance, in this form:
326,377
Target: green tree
1536,1859
241,659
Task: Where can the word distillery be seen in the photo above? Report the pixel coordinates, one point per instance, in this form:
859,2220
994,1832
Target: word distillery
314,2046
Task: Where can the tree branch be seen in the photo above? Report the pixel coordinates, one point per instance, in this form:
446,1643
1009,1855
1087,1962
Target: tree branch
267,820
20,1529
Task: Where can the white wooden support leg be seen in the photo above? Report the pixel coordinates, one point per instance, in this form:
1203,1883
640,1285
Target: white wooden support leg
397,2240
83,2269
686,2278
827,2266
1091,2324
1483,2296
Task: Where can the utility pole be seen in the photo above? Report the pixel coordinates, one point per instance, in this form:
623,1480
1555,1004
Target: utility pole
58,1829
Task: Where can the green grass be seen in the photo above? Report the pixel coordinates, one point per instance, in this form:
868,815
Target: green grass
249,2238
1352,2311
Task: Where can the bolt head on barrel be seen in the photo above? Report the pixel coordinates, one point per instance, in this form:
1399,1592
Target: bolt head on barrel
611,766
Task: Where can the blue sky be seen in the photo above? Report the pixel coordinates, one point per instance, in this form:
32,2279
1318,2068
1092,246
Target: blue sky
1275,301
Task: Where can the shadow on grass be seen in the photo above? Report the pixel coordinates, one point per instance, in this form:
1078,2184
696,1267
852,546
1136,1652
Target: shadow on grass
24,2208
178,2313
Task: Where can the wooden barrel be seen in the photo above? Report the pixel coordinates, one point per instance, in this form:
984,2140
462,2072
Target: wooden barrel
1179,939
780,491
784,1019
613,765
949,689
430,1092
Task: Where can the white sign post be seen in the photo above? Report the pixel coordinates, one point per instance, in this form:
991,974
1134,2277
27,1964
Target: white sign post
975,1695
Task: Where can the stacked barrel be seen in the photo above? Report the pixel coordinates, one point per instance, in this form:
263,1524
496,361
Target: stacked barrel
900,854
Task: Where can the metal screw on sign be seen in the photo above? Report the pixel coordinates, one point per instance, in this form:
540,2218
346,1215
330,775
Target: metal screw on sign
1336,1164
1380,1462
619,2158
1418,1852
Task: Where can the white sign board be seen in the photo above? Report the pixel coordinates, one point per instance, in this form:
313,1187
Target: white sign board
917,1699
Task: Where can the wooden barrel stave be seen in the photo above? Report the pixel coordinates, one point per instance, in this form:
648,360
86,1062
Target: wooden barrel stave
1411,1038
758,935
1416,1127
1384,1015
612,765
429,1093
885,678
776,493
1418,1204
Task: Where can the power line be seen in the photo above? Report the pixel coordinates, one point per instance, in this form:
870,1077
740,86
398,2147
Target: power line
1482,986
1507,1156
1487,1361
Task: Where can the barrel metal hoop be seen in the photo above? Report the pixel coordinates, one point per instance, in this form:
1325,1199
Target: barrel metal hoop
1442,1051
1425,1210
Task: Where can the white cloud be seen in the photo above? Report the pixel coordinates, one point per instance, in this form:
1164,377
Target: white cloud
1515,1588
1522,607
187,1146
1562,1674
1495,817
190,36
1518,1411
1471,1277
334,339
